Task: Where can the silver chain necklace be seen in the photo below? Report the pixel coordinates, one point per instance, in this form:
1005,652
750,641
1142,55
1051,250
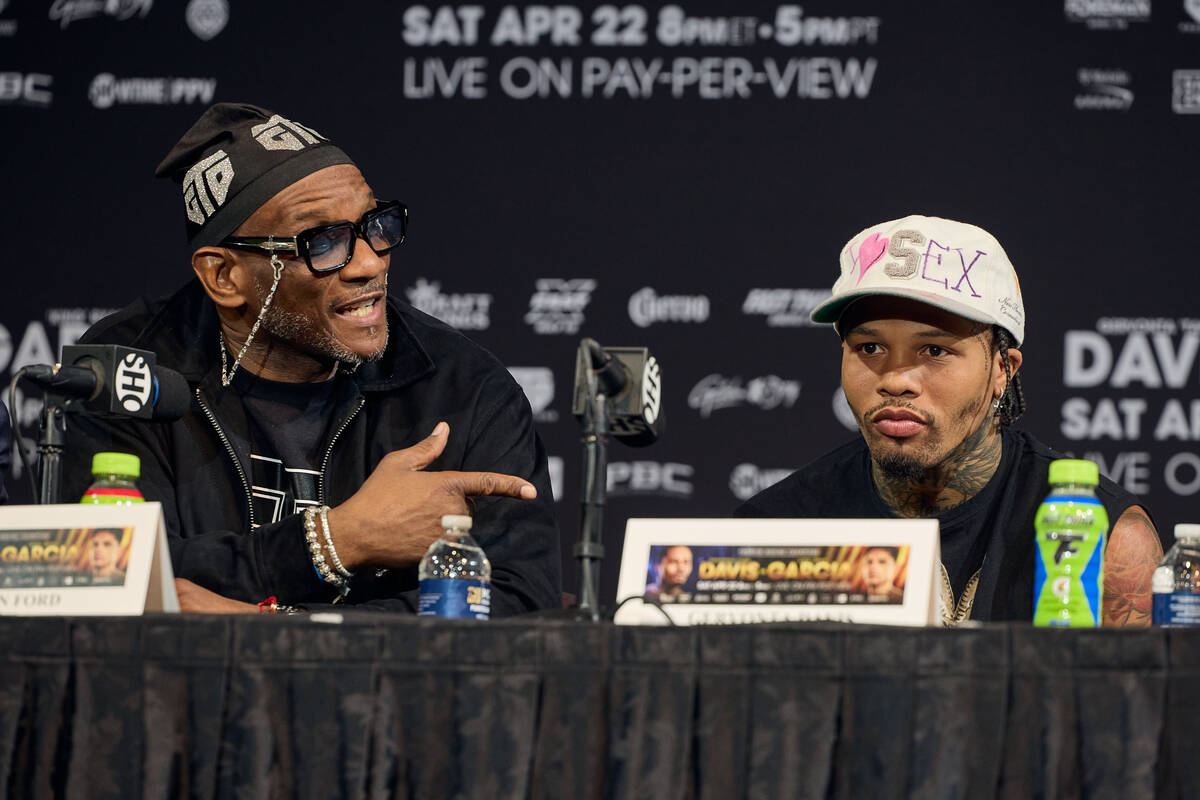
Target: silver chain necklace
227,378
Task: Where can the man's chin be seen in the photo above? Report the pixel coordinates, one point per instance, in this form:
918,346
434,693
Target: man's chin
901,466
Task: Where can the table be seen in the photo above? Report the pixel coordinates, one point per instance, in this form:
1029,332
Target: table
389,706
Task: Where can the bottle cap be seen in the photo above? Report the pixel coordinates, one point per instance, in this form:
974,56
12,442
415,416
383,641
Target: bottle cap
1074,470
1189,531
116,464
457,522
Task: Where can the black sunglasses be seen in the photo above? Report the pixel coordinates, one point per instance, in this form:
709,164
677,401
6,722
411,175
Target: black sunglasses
326,248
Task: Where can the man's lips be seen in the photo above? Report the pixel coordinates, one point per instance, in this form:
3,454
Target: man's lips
898,423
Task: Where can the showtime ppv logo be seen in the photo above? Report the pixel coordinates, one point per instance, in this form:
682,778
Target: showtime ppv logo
467,312
647,307
108,90
557,305
747,480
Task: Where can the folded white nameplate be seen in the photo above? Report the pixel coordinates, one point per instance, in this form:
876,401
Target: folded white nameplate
65,560
732,571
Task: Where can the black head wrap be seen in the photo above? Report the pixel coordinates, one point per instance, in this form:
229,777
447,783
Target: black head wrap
237,157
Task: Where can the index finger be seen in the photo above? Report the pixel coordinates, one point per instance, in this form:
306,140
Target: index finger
484,484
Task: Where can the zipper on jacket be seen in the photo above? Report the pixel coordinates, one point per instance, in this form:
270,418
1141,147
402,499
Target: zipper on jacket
329,452
232,455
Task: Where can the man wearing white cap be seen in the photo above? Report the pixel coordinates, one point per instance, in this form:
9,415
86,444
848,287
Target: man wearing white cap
930,315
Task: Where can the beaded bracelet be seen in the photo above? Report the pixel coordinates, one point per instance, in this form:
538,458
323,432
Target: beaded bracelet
318,557
333,553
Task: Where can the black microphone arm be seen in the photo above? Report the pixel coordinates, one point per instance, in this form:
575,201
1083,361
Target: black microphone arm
99,379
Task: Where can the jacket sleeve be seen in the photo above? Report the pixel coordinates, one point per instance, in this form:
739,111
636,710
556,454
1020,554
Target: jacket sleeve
272,560
520,537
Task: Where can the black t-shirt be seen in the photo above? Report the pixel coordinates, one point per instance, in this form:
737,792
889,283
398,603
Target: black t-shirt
992,532
288,425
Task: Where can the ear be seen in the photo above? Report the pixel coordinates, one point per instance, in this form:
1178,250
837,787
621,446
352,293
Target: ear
1014,364
225,278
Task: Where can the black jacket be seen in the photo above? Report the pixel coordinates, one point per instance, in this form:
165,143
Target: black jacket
429,372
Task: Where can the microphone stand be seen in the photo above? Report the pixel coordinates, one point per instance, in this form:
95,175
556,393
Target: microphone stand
52,443
589,551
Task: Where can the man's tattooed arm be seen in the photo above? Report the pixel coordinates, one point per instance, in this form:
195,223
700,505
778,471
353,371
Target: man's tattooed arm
1133,552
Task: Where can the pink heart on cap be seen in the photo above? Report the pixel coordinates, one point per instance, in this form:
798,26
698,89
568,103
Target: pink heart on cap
870,251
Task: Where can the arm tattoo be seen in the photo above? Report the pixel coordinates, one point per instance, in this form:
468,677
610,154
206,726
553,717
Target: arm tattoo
1132,553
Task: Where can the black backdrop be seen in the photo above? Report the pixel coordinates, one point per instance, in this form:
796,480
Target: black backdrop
546,208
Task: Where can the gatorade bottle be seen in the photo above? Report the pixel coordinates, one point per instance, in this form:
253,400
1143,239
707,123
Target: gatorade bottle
1071,527
113,479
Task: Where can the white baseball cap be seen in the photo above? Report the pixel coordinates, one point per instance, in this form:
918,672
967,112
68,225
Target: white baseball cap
952,265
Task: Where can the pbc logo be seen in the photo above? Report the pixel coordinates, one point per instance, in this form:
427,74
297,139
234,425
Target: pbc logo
26,89
133,383
650,478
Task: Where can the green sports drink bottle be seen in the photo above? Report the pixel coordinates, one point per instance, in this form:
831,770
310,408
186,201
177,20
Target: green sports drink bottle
114,476
1072,526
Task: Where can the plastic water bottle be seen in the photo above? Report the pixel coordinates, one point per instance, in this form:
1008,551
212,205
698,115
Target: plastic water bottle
1071,527
1176,582
114,477
455,574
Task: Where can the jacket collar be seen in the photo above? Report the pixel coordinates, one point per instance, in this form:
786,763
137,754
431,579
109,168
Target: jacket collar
182,331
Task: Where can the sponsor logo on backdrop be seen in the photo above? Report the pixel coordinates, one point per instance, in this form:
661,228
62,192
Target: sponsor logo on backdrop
784,308
647,307
467,312
557,305
26,89
842,411
1185,91
538,385
1192,25
1107,14
108,90
1104,90
653,478
1135,380
8,27
207,18
64,12
716,392
747,480
554,465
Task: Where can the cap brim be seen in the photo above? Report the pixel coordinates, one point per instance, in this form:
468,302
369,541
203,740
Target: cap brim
833,308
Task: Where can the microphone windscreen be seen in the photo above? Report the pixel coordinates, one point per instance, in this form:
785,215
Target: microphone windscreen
174,395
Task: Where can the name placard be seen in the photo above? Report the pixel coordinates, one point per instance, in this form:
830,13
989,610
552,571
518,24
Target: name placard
733,571
67,560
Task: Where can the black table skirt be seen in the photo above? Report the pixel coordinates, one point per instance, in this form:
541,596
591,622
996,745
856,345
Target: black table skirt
381,707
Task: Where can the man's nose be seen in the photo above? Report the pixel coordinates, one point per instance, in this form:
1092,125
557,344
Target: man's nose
900,377
366,263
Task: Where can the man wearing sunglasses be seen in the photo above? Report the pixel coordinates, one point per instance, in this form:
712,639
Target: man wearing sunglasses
331,426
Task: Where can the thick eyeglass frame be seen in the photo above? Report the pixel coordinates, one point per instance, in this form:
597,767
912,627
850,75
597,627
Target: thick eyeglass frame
297,246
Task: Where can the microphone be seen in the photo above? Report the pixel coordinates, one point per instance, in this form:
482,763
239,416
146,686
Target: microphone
114,379
632,380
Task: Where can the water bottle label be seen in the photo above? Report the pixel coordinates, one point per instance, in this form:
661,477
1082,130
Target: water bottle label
456,598
1177,608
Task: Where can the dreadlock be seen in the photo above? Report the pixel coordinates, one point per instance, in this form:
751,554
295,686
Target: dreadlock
1012,402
